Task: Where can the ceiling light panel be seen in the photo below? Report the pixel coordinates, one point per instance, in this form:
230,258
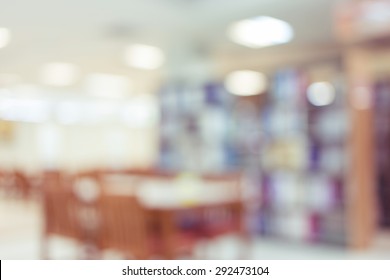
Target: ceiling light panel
144,57
261,32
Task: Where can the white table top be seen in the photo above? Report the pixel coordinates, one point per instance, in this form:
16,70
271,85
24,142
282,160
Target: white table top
168,193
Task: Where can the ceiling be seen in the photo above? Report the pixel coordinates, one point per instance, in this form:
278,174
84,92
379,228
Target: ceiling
93,33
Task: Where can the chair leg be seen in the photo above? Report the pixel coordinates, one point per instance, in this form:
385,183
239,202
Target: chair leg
45,247
245,247
92,252
200,251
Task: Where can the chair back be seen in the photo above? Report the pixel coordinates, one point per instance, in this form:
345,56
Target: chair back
125,226
71,207
60,209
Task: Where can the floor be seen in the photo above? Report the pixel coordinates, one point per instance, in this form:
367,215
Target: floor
21,223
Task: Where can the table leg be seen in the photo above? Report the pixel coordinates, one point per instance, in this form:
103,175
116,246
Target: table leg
168,233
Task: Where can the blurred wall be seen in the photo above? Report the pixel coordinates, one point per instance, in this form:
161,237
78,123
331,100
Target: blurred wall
33,147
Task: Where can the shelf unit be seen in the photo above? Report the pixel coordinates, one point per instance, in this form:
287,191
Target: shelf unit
303,162
350,192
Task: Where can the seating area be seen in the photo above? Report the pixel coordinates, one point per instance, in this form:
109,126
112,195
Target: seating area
140,214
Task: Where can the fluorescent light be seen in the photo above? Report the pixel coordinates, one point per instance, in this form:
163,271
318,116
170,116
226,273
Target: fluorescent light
27,90
25,110
321,94
140,112
88,111
59,74
100,111
69,112
5,36
144,57
108,85
261,32
246,83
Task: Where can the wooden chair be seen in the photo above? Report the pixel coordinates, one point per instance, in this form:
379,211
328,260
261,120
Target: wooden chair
71,211
5,181
125,227
59,207
16,183
119,222
95,219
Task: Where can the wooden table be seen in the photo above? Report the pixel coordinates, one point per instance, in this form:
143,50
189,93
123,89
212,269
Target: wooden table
163,202
165,219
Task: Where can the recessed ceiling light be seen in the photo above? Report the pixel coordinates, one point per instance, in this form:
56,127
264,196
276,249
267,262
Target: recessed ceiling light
5,36
59,74
321,94
246,83
144,57
260,32
108,85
